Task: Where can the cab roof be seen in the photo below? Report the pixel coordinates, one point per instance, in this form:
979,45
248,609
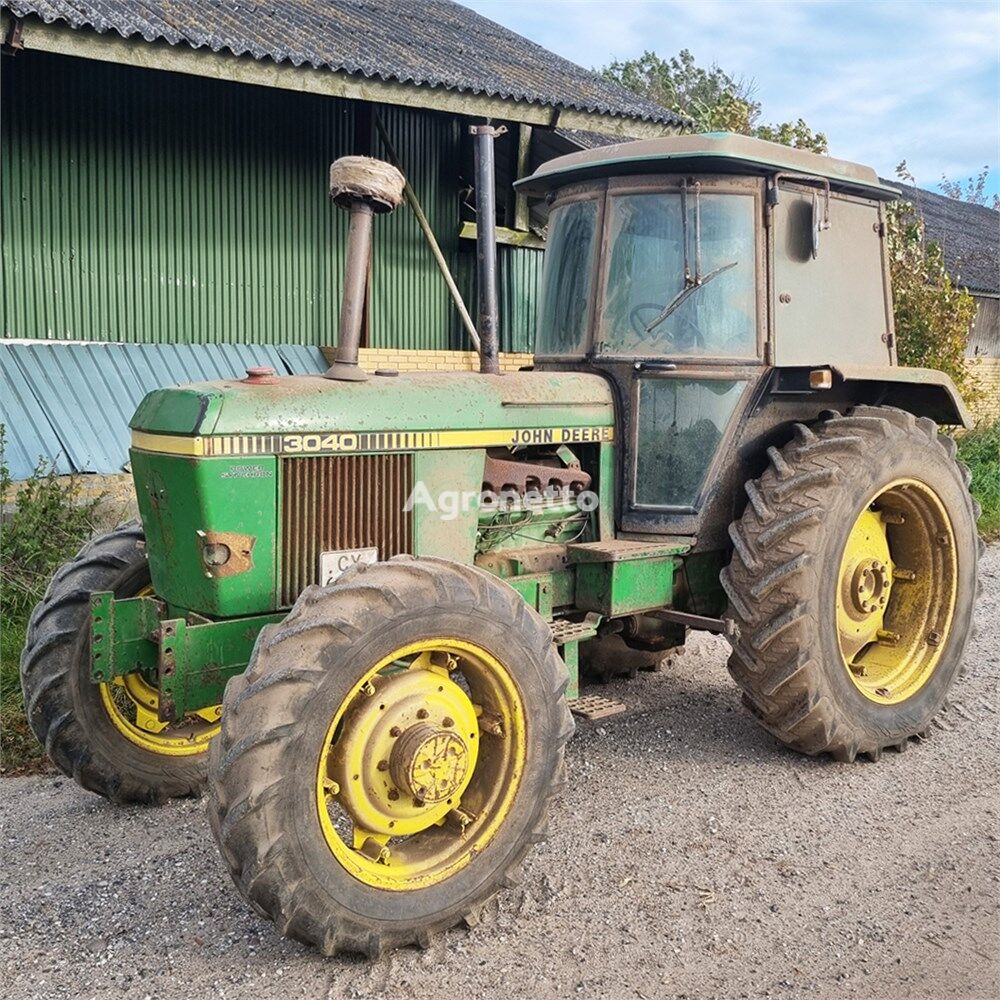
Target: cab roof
708,152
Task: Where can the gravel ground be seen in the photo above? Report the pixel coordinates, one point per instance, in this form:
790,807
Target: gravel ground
691,856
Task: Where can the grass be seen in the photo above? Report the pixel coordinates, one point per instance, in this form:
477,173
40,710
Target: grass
20,752
980,450
45,520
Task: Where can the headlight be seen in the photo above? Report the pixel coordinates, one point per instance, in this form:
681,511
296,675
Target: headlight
215,554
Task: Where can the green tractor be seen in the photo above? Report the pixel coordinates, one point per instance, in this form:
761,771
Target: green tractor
357,606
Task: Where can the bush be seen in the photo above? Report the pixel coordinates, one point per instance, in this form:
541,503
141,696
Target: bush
980,450
44,523
933,315
48,521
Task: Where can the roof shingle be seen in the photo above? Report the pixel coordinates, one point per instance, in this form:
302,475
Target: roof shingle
968,234
433,43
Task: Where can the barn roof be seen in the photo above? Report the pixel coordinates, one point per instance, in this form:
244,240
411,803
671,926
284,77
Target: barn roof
425,43
968,234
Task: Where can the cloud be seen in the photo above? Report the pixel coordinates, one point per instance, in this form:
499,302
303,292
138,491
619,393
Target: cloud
913,79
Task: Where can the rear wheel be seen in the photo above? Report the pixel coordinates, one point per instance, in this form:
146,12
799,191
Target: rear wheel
107,737
852,583
388,757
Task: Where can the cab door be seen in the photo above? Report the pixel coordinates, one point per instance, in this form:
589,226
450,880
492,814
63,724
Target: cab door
680,328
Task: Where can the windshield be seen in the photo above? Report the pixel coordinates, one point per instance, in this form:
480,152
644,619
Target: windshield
564,311
680,279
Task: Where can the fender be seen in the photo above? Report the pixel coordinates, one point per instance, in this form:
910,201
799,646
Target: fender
924,392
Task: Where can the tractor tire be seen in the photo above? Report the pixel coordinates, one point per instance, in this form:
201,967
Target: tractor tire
852,583
68,713
307,703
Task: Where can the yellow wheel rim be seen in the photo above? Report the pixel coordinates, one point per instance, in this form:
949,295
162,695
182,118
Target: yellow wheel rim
896,591
132,705
421,763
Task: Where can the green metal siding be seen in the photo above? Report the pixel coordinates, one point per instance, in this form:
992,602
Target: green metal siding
412,308
142,206
519,275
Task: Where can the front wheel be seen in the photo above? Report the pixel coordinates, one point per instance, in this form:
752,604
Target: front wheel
389,755
852,583
107,737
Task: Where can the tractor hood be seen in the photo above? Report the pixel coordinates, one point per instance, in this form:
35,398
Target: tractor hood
205,418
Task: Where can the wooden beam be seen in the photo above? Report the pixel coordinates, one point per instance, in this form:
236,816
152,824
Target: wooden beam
110,47
509,237
521,216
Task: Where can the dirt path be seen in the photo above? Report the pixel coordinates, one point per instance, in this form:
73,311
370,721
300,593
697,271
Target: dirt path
690,857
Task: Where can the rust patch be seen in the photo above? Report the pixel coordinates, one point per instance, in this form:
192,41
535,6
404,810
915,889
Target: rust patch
240,552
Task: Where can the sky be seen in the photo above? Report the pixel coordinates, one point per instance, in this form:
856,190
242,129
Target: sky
886,80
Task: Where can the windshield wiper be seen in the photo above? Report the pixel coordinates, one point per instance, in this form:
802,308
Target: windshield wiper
696,282
692,282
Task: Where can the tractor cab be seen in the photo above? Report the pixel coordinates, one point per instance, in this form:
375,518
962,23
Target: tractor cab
701,275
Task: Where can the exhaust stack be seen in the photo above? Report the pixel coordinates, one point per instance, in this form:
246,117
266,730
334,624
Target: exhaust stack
487,321
365,188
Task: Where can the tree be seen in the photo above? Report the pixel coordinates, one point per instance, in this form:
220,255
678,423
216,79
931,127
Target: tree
933,315
713,100
973,192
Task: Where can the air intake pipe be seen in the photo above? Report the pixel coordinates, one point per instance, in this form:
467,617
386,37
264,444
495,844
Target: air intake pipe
365,188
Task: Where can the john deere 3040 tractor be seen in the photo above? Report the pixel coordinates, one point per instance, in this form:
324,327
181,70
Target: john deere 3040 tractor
374,681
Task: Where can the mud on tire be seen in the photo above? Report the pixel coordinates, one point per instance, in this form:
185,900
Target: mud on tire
782,579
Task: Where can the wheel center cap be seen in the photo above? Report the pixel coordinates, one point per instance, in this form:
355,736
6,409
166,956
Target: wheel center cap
428,762
870,586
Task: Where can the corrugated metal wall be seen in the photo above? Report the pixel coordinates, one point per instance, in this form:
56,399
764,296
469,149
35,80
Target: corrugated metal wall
519,275
71,403
150,207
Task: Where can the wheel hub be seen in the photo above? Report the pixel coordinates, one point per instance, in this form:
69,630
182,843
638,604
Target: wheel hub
870,586
429,762
401,763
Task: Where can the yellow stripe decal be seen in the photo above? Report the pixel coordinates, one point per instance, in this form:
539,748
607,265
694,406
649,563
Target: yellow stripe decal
354,442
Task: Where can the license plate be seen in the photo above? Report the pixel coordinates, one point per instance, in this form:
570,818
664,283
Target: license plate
333,565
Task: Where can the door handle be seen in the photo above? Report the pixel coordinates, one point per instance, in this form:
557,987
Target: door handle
655,366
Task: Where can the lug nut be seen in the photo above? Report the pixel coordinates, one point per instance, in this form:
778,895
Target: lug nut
383,765
395,732
447,722
393,794
422,713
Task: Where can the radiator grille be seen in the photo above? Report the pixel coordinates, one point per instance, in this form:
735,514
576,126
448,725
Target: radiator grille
341,502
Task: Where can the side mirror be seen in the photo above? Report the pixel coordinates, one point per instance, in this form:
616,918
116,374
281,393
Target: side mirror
820,220
808,218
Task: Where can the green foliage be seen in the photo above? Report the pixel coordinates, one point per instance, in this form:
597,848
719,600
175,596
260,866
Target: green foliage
796,134
48,522
973,191
19,750
980,450
713,100
933,315
45,521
